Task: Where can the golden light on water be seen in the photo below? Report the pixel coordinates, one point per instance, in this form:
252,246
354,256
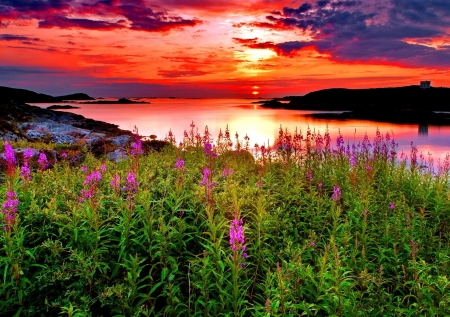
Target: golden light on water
255,92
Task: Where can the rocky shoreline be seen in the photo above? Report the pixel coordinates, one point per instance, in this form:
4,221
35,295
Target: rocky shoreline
19,121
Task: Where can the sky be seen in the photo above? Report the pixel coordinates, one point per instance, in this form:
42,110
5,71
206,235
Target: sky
221,48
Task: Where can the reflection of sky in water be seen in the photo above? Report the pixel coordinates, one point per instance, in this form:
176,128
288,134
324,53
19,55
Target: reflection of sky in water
260,124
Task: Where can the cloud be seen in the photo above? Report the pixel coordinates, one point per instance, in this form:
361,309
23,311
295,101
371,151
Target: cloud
356,31
110,15
13,37
181,73
7,71
66,23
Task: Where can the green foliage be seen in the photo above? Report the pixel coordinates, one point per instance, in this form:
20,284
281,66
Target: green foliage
163,249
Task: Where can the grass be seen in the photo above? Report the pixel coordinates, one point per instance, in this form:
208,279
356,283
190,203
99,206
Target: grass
327,230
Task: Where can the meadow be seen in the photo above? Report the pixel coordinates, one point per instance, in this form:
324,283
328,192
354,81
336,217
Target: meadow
310,226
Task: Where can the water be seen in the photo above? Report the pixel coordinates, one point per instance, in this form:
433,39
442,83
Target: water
260,124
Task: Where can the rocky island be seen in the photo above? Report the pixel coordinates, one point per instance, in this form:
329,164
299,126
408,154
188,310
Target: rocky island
119,101
22,95
410,104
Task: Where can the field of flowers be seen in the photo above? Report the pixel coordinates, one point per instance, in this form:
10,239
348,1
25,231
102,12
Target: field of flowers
310,226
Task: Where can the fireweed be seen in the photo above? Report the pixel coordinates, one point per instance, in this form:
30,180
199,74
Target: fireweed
163,256
43,162
10,209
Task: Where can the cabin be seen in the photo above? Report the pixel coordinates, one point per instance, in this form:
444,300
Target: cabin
424,84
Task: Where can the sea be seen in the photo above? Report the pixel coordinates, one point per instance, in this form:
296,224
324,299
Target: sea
247,118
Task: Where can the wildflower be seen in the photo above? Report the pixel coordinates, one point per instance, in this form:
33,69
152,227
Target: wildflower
103,168
309,176
64,155
25,172
353,161
208,148
9,155
336,194
226,172
43,162
340,141
84,169
313,244
237,238
132,184
136,147
212,184
243,265
92,178
179,164
206,173
10,208
365,212
391,206
115,182
28,154
320,185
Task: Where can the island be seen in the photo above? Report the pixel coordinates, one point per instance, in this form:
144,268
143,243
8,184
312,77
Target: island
22,95
410,104
119,101
55,107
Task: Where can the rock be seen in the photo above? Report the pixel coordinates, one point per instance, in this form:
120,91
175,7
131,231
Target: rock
35,135
10,136
117,155
63,138
121,140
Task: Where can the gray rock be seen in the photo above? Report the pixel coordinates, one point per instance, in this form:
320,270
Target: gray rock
34,134
10,136
63,138
121,140
117,155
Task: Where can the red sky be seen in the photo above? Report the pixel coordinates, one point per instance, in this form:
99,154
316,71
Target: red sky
205,48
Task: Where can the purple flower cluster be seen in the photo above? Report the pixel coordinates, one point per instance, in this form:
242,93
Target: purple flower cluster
132,184
42,160
208,148
9,155
336,194
226,172
237,238
353,160
206,173
90,183
10,208
136,147
25,172
179,164
392,206
115,182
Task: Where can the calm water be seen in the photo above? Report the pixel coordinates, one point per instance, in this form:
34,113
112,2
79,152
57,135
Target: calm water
259,123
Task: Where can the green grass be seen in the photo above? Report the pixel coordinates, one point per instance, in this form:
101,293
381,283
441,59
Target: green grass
164,250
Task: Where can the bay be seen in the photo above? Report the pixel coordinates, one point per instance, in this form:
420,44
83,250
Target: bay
260,124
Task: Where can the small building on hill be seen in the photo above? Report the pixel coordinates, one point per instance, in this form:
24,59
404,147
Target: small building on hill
424,84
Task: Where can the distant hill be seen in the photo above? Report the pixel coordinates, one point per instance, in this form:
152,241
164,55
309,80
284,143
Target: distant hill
377,99
22,95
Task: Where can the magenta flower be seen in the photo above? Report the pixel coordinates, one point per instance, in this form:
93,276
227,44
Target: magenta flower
64,155
136,147
179,164
28,154
10,208
84,169
43,162
226,172
206,173
132,184
103,168
92,178
115,182
208,148
9,155
237,238
391,206
320,185
353,161
313,244
25,172
336,194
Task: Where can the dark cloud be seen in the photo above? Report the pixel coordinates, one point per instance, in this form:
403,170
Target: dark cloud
355,31
181,73
13,37
8,71
66,23
112,15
